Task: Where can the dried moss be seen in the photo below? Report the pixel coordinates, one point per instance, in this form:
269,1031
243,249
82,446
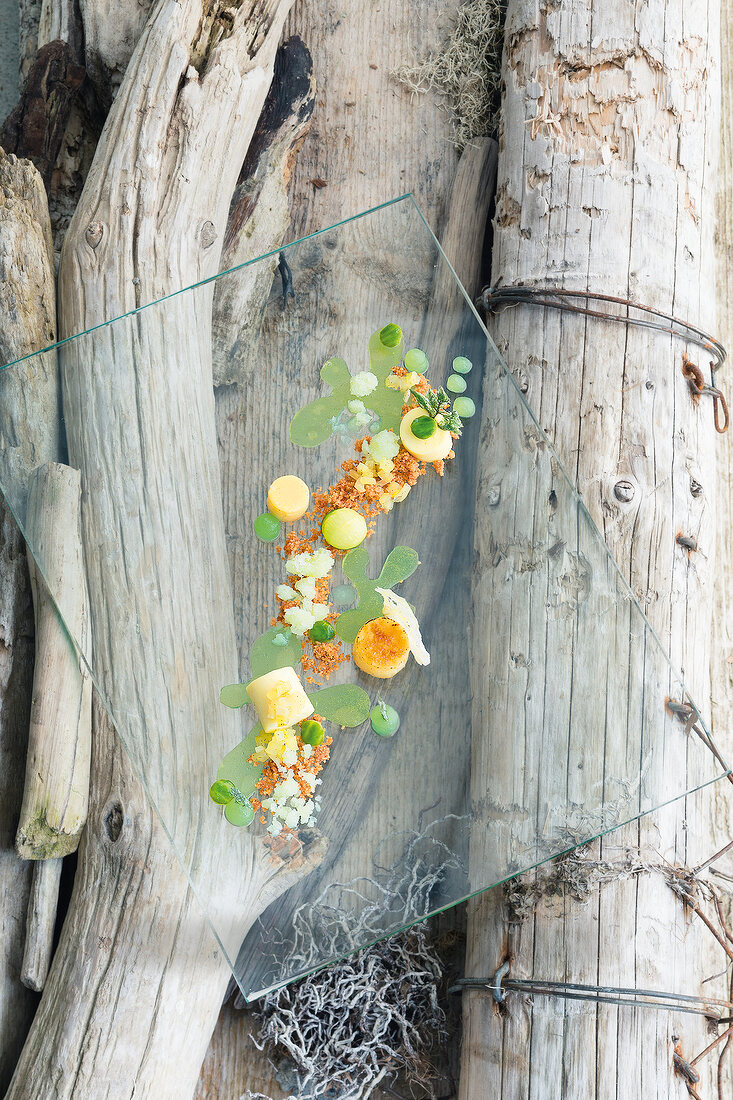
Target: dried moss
466,71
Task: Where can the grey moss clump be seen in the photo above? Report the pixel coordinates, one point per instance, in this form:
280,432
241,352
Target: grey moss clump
466,71
359,1023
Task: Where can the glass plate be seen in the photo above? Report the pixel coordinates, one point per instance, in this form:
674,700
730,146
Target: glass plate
543,718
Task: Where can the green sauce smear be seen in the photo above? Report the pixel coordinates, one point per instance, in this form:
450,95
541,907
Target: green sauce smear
399,564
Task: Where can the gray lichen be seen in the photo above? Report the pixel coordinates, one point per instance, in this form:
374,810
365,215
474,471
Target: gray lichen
466,71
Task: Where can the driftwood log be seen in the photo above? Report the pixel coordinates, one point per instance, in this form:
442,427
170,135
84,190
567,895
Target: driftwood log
606,183
31,423
133,924
41,921
56,791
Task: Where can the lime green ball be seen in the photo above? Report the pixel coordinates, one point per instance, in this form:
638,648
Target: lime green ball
416,360
344,528
239,813
456,384
267,527
462,365
222,792
321,632
423,427
390,335
311,732
464,406
384,719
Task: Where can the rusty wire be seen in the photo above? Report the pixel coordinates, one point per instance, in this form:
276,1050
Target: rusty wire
554,297
688,714
699,387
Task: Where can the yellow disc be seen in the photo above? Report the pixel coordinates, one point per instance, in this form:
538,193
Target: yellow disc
288,498
437,446
381,648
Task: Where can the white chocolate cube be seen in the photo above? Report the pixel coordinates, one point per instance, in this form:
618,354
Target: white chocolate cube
279,699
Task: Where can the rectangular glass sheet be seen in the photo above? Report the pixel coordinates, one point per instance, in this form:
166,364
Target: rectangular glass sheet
542,720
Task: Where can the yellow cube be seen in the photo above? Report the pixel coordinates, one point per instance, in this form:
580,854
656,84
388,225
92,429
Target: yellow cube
279,699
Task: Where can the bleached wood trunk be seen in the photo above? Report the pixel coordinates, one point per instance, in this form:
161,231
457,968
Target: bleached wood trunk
56,790
606,182
133,930
30,424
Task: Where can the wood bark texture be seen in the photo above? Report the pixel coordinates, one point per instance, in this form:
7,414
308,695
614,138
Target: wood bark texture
259,215
134,928
56,791
41,922
369,140
606,182
30,424
37,125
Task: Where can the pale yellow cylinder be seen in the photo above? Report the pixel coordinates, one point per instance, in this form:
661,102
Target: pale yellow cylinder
279,699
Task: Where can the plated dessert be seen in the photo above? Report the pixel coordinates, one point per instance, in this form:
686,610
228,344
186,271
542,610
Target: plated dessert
402,429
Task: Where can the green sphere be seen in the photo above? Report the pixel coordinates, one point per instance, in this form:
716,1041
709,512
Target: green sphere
239,813
423,427
385,720
456,384
464,406
416,360
390,335
222,791
344,528
311,732
462,365
267,527
344,594
321,632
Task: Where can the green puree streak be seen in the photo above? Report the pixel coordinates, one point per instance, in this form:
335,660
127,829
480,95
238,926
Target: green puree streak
311,426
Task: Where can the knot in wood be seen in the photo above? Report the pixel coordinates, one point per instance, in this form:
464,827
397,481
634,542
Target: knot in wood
113,821
94,233
695,488
493,496
624,491
208,234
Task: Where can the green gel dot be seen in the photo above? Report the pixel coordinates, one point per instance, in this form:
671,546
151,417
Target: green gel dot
390,335
462,365
267,527
280,639
385,720
416,360
343,595
464,406
321,632
311,732
239,813
423,427
222,792
456,384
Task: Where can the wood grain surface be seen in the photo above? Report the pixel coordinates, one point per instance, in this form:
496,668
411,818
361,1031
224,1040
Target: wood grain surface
606,182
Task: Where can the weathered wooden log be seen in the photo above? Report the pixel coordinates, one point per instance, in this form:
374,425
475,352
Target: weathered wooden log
606,183
41,922
58,22
30,422
56,792
133,923
36,126
259,214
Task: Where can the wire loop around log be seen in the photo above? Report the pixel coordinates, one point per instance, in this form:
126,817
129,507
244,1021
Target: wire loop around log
554,297
499,985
